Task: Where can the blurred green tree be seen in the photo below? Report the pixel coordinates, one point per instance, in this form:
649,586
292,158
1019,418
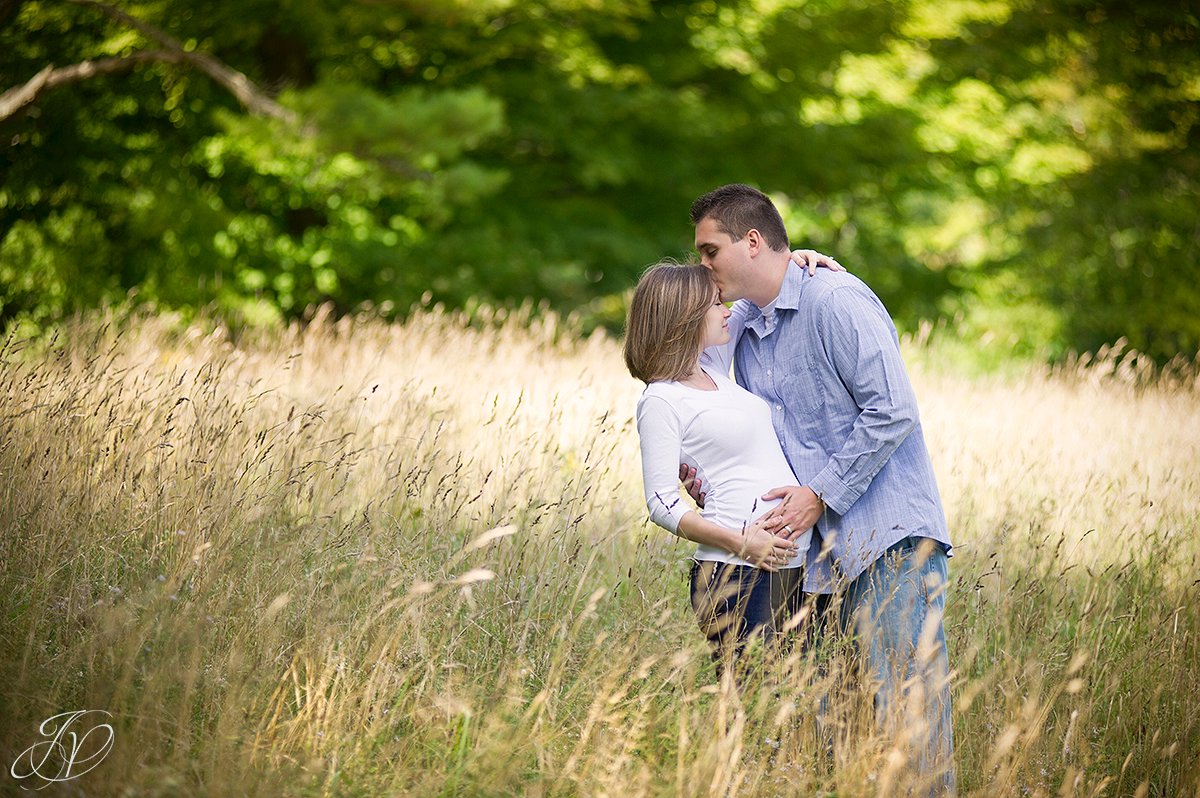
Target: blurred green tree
1029,168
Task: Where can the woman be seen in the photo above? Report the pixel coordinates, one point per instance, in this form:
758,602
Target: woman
678,342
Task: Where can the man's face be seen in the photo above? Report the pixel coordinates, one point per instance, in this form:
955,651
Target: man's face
728,260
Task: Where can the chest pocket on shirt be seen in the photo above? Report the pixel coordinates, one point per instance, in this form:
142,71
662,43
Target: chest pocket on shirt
799,386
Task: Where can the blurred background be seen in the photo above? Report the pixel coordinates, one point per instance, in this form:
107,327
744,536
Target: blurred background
1021,177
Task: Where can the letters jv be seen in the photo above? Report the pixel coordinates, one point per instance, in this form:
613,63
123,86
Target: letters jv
75,743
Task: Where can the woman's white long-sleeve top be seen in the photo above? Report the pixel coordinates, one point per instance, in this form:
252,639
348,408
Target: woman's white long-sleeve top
727,436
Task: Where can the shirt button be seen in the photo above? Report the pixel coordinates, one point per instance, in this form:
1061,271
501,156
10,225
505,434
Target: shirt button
778,407
768,372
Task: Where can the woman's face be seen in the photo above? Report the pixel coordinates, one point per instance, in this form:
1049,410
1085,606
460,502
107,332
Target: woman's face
716,323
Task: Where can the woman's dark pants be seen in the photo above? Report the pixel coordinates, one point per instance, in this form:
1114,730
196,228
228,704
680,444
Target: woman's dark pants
736,604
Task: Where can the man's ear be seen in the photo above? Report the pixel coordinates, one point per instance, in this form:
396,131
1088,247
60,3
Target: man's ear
755,241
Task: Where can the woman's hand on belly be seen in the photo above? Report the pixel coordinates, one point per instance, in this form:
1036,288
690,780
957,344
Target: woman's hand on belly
764,548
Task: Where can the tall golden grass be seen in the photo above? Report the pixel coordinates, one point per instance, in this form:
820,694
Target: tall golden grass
352,558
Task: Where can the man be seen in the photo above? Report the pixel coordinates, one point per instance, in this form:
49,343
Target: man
823,352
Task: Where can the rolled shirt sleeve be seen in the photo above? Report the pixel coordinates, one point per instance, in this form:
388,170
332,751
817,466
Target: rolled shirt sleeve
860,341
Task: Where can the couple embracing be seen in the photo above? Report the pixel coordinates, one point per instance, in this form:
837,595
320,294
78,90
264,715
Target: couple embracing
811,472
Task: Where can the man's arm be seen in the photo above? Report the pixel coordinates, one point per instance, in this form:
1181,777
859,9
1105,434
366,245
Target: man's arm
860,341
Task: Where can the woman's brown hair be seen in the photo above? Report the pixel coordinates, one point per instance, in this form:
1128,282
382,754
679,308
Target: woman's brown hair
666,321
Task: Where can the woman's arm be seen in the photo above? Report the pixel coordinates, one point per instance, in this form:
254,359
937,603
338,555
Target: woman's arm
754,544
660,433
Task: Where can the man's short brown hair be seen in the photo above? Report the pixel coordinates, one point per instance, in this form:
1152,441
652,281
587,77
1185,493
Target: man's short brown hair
737,209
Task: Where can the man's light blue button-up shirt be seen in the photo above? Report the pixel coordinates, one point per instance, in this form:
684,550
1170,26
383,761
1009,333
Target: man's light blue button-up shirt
846,415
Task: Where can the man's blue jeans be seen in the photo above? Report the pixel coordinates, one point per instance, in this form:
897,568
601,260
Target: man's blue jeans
895,611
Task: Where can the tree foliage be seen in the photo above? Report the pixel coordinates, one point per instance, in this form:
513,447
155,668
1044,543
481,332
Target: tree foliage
1028,167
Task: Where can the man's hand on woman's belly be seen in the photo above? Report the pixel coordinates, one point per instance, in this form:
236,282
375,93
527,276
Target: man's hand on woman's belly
796,514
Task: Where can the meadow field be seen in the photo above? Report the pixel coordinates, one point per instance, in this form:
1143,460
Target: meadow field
348,558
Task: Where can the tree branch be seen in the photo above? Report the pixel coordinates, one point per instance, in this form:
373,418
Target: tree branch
250,96
49,78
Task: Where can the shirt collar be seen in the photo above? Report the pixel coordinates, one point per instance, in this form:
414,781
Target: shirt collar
788,299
